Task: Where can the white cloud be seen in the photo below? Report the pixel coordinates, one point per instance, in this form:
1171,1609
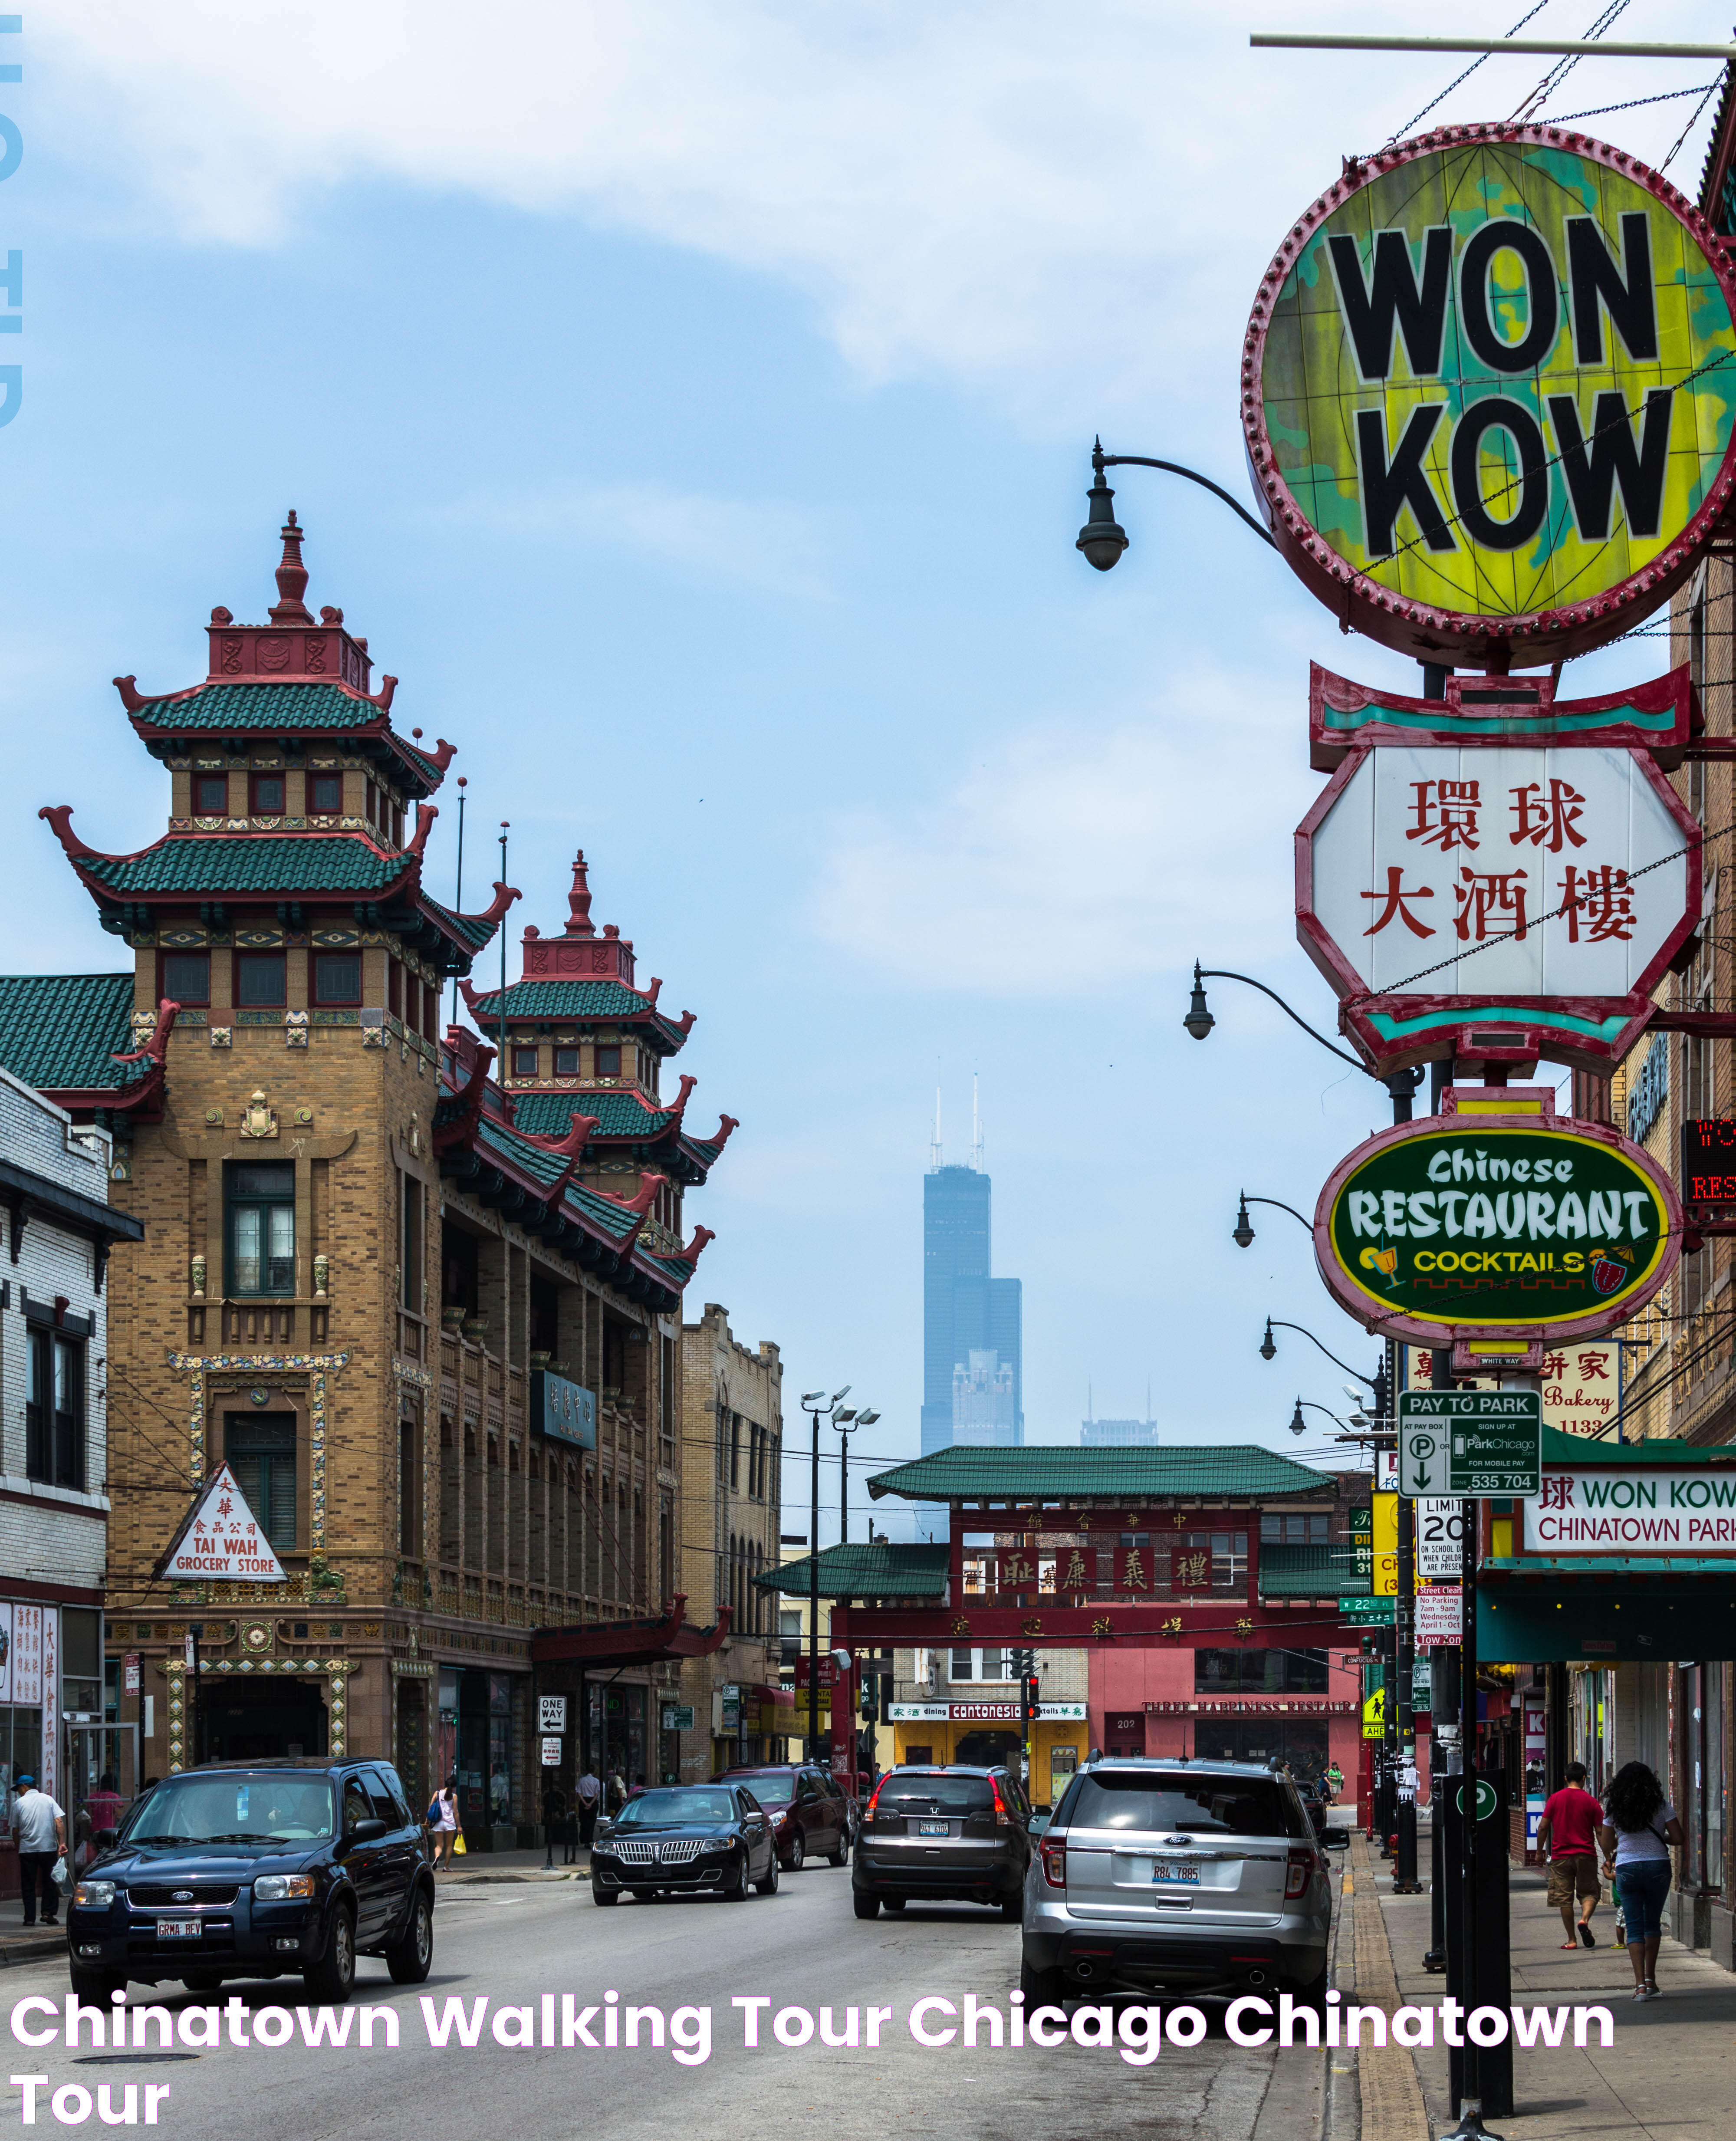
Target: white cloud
761,543
1079,860
1066,204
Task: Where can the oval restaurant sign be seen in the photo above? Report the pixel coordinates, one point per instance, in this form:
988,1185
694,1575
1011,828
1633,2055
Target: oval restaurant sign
1496,1221
1488,388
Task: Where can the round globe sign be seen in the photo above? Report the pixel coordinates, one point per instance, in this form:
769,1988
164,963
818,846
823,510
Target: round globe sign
1494,1225
1488,389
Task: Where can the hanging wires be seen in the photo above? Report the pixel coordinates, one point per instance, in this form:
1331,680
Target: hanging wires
1531,107
1400,133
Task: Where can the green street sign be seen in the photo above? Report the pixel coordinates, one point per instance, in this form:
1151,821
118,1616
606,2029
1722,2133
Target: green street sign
1472,1443
1486,1799
677,1717
1365,1613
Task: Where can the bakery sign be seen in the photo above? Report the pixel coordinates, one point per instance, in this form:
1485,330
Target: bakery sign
1604,1510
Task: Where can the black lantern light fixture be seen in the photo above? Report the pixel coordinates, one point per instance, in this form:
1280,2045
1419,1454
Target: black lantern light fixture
1199,1021
1243,1233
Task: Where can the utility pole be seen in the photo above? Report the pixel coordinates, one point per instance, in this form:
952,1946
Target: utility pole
818,1407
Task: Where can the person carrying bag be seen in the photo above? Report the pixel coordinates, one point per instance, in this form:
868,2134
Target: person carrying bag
1637,1836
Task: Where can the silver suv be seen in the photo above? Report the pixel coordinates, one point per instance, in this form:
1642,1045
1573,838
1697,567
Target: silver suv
1194,1876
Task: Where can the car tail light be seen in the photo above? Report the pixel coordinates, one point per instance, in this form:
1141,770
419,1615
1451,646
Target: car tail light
1298,1873
1003,1819
1055,1862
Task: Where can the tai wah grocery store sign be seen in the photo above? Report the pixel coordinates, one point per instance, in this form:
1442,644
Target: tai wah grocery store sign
1648,1511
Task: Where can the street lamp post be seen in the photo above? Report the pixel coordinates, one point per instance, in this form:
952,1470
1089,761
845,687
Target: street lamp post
1243,1233
819,1407
1102,541
855,1420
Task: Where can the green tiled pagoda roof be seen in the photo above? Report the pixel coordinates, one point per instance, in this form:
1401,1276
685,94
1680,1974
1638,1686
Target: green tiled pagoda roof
469,928
59,1033
618,1115
557,1001
1217,1472
207,865
219,708
876,1569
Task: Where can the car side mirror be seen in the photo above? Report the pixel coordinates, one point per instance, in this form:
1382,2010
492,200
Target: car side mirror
366,1832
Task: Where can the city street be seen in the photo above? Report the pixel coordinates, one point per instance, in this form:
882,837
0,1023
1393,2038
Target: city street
803,1947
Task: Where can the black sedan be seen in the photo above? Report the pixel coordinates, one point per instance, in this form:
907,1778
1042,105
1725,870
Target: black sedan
686,1840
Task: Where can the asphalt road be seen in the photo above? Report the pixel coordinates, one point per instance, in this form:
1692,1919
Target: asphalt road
801,1949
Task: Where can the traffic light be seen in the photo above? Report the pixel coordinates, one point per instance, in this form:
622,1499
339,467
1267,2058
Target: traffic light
1033,1694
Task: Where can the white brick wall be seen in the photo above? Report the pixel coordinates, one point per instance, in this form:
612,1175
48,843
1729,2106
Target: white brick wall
39,1544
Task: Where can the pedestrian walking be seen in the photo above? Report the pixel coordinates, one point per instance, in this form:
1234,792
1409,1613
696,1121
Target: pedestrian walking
588,1797
39,1830
1334,1782
614,1792
1567,1831
1639,1827
104,1807
443,1822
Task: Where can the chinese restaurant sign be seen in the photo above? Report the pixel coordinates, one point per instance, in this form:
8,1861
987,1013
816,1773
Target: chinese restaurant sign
1496,1224
1646,1510
1487,394
221,1539
1539,893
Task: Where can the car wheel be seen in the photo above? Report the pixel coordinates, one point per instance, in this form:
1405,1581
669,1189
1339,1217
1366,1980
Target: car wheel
333,1978
1012,1909
798,1851
94,1987
841,1856
204,1980
895,1902
1041,1987
734,1888
769,1885
867,1907
604,1896
411,1957
1312,1993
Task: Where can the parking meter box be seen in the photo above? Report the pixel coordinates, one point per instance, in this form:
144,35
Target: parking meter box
1494,1968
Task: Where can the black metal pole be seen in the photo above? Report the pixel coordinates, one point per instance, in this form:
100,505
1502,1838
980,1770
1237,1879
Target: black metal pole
457,896
1470,2108
1404,1822
814,1604
1443,1702
843,1487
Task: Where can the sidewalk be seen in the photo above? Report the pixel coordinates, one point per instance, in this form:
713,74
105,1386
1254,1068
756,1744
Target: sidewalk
1670,2070
30,1943
479,1866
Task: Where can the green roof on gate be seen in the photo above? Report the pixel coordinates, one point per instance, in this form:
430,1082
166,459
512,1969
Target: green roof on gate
61,1032
618,1115
558,999
1217,1472
249,708
878,1568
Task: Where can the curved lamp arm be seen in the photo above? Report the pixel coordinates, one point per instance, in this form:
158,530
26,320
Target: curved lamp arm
1327,1409
1100,461
1278,1323
1278,1206
1223,974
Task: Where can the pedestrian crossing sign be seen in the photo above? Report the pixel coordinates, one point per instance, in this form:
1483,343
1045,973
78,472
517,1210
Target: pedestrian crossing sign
1374,1715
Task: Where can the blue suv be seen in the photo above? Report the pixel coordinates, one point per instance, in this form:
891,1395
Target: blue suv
257,1869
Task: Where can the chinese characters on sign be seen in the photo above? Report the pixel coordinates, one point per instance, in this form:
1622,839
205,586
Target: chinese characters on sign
1654,1511
1157,1564
1581,1383
222,1539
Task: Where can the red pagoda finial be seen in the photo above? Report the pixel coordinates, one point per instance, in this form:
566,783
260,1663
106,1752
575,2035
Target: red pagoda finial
578,901
289,608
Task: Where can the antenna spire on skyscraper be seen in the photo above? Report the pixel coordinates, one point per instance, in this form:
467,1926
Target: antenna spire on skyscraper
934,1149
976,1128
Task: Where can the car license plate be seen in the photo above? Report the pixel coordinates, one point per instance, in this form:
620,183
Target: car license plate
934,1829
178,1928
1176,1869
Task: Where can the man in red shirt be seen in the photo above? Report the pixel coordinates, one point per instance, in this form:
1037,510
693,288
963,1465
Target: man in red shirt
1567,1833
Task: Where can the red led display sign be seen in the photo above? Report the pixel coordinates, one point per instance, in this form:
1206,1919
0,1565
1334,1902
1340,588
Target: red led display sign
1709,1161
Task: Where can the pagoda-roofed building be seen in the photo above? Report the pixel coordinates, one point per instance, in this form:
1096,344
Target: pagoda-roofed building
438,1357
581,1040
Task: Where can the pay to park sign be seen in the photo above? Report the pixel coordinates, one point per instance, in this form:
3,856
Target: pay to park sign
1472,1443
1496,1225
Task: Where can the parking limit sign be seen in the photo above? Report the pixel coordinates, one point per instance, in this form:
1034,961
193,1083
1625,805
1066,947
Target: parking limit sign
551,1754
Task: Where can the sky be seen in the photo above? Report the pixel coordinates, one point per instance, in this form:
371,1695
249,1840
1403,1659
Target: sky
692,404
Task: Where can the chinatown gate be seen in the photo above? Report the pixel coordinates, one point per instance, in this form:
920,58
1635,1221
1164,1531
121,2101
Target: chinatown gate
1202,1584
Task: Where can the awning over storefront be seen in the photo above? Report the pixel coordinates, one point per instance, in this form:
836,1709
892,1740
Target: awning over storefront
1605,1610
630,1642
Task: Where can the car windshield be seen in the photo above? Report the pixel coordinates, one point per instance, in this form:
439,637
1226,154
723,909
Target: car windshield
935,1795
234,1810
772,1790
1199,1806
660,1809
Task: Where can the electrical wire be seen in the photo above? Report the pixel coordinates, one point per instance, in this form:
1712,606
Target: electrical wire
1405,130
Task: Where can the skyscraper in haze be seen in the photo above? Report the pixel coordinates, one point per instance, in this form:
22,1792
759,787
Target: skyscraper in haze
972,1344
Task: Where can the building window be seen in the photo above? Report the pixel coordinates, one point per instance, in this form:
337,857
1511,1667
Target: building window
187,976
260,1450
259,980
735,1449
54,1411
210,795
566,1063
267,795
1292,1529
411,1244
1260,1672
430,1010
325,794
608,1062
338,977
408,1496
262,1229
395,988
980,1665
525,1063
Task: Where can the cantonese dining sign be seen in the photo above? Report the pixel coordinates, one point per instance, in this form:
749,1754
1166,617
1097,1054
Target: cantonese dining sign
221,1540
1646,1510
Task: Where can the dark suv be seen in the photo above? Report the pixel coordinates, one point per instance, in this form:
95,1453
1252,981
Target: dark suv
810,1817
257,1869
958,1833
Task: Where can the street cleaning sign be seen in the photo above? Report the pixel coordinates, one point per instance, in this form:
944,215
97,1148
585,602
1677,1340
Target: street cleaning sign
220,1539
1470,1443
1487,394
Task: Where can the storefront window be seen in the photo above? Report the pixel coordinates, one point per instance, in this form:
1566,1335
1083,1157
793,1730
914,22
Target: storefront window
1260,1672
